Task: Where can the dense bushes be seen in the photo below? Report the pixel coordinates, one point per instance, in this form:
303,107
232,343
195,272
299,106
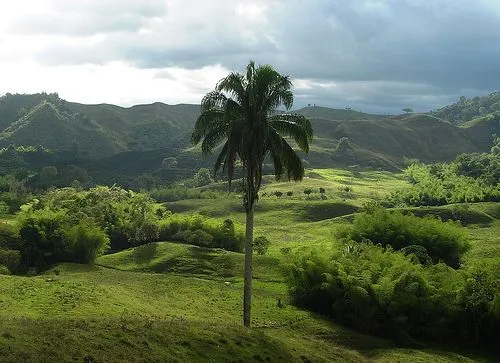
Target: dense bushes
50,237
201,231
174,193
470,178
443,241
87,242
378,291
68,225
10,259
128,218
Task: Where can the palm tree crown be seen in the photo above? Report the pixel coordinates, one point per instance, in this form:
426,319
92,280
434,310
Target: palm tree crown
242,112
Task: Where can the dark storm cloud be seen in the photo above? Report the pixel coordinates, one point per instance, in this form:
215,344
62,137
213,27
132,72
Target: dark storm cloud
383,54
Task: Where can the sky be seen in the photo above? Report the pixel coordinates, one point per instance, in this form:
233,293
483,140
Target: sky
376,56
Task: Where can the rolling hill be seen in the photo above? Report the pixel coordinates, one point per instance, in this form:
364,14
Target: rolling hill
107,139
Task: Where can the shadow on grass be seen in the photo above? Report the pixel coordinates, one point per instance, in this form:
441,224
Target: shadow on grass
321,211
145,253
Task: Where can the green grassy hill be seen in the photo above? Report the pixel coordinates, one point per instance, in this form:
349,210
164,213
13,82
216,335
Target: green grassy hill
116,144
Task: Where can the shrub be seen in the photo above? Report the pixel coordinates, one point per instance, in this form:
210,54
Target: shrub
469,178
378,291
261,245
444,241
51,237
181,228
128,218
4,270
43,237
87,242
9,237
10,259
174,193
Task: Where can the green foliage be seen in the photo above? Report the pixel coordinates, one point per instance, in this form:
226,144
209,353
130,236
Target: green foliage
42,233
174,193
126,217
50,237
378,291
10,259
4,270
201,178
9,236
418,253
470,178
466,109
87,242
261,245
495,149
201,231
443,241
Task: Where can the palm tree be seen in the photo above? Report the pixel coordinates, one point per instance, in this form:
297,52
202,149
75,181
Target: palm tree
241,114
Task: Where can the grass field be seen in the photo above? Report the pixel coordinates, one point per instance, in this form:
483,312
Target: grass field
174,302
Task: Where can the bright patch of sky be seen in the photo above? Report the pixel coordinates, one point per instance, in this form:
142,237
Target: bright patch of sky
371,55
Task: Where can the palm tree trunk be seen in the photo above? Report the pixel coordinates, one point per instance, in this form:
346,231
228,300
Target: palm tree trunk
247,288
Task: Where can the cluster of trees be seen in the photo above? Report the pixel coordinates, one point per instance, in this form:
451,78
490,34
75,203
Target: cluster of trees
405,294
307,192
175,192
467,109
436,240
469,178
71,225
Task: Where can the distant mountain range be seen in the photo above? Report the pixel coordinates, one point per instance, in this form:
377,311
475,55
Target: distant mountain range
102,134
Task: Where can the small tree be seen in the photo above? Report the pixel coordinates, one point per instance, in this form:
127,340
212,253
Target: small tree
261,245
278,194
307,192
289,193
408,110
344,146
203,177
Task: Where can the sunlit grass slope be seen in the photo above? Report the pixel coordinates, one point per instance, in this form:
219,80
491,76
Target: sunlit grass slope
174,302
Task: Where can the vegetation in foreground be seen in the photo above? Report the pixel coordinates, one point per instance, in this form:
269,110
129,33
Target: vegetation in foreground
172,300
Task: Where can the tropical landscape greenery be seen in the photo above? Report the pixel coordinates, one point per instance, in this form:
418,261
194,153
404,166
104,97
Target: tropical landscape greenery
118,242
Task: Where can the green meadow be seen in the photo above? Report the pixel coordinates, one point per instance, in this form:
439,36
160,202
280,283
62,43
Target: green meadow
168,301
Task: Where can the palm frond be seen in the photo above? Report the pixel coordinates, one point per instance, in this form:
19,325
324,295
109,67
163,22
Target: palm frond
213,138
234,84
285,160
213,100
207,120
293,126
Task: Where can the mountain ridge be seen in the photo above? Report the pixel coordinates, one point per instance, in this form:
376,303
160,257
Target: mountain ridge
78,132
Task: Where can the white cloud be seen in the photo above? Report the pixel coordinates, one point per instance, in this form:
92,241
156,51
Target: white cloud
377,54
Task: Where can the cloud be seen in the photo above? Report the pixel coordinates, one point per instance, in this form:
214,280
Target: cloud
373,54
86,18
